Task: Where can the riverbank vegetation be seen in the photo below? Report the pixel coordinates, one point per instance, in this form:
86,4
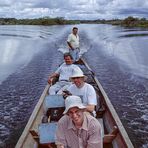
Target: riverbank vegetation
127,22
130,22
38,21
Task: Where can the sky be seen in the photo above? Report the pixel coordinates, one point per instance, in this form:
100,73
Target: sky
74,9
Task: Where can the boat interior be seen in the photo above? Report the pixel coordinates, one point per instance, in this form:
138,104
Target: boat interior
53,108
40,129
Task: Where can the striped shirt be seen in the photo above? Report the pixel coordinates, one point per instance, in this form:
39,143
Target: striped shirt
88,136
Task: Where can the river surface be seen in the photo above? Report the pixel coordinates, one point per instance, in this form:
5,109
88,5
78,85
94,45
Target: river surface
118,56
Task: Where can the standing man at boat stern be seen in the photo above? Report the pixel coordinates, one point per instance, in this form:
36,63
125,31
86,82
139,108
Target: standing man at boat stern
73,44
77,129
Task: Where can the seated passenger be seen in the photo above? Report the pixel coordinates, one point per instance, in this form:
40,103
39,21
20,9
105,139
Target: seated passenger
63,72
77,129
84,90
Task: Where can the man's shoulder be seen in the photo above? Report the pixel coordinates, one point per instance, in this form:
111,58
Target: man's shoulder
92,120
88,85
64,119
74,65
90,89
70,35
63,64
89,116
72,87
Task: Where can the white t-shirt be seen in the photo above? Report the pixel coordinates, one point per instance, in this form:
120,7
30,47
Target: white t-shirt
65,71
87,93
73,40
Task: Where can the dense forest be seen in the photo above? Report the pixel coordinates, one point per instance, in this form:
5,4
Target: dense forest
131,22
127,22
37,21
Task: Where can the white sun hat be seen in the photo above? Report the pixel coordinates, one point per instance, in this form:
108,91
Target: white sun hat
77,73
73,101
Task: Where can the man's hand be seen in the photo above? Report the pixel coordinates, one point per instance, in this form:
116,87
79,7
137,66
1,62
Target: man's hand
49,80
60,146
66,93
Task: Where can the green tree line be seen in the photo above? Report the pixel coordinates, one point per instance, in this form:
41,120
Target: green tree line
38,21
127,22
134,22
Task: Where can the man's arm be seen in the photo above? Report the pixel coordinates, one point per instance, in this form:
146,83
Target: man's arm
95,137
60,146
51,77
69,44
92,99
90,108
60,140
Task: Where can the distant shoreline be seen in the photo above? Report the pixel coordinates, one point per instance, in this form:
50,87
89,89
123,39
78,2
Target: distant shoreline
127,22
38,21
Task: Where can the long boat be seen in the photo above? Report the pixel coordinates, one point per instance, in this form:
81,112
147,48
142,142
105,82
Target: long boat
114,134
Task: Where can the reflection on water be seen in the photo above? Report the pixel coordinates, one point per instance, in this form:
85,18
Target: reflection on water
29,53
12,35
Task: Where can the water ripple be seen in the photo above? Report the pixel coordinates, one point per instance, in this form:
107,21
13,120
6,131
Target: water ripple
16,35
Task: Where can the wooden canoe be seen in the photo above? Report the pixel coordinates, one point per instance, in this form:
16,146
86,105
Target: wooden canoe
115,135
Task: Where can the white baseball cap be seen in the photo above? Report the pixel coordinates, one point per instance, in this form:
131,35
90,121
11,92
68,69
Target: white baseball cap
73,101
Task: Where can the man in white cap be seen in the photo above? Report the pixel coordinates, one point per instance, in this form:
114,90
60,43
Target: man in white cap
84,90
76,129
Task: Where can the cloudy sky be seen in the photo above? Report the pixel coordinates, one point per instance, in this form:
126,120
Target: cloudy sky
74,9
